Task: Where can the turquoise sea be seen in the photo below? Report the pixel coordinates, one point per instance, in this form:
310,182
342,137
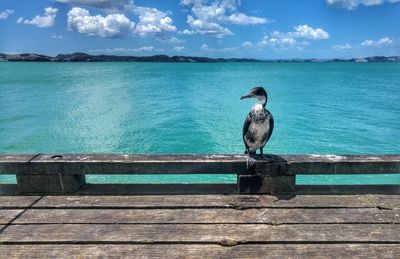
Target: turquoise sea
319,108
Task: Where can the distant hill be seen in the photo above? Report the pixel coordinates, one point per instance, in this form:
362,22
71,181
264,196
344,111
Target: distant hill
83,57
358,60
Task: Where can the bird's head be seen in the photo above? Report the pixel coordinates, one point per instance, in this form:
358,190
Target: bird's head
259,93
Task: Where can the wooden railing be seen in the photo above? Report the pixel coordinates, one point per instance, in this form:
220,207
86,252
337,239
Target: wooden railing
272,174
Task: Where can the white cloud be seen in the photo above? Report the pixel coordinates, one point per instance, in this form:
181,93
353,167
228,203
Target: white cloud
56,37
247,44
170,39
353,4
47,20
343,47
204,47
4,14
179,48
281,41
175,40
192,2
294,39
212,29
208,12
186,32
377,43
102,4
148,48
243,19
383,42
123,50
207,17
153,21
307,32
110,26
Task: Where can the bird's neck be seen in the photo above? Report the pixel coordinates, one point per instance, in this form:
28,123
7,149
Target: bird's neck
260,104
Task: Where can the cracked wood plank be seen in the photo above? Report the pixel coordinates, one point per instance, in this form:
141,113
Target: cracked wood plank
203,251
204,216
197,234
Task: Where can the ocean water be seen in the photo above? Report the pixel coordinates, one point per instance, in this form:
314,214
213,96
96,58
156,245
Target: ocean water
319,108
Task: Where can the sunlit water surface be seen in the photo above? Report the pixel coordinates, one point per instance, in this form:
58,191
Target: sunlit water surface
319,108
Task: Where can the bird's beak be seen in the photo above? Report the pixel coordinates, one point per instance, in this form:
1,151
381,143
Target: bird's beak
246,96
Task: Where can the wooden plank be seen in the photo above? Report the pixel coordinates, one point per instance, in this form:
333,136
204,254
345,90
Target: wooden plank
203,216
17,201
16,158
129,164
10,164
198,164
49,184
348,189
393,215
158,189
203,251
389,205
205,201
385,201
8,189
343,164
195,233
6,216
13,163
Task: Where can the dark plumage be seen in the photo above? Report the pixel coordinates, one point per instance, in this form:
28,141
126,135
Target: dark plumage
259,123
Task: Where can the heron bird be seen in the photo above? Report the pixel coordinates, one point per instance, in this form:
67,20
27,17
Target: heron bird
258,125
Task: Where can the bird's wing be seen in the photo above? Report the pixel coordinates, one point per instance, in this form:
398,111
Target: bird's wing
246,126
271,126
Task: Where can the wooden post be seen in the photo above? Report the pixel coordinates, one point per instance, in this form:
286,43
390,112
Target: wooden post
270,178
49,180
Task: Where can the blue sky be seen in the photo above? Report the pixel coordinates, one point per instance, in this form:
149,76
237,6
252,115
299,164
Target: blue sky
263,29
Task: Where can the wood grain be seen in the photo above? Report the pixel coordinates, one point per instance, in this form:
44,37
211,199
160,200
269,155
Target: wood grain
205,201
197,164
206,234
203,251
385,201
17,201
6,216
203,216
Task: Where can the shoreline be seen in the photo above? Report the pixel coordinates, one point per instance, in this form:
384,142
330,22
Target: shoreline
83,57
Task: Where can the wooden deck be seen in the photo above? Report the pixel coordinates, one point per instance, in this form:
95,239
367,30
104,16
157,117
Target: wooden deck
152,220
200,226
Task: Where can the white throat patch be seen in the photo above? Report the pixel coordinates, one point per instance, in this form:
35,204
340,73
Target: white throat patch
258,107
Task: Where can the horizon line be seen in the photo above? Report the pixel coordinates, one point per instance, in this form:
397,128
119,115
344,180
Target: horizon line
192,56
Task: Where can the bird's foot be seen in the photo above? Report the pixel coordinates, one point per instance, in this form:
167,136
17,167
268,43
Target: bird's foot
250,162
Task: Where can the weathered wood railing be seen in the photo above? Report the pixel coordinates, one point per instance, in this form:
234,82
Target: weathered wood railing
272,174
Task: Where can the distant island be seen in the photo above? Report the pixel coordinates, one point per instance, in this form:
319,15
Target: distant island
83,57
